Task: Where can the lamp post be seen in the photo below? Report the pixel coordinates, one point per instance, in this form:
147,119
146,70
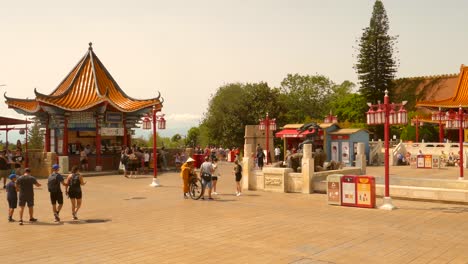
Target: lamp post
387,114
453,121
267,124
417,124
330,119
161,122
440,117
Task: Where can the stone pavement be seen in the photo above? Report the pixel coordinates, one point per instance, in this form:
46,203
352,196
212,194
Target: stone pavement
126,221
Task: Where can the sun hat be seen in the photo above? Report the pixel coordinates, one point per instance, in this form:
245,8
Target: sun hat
190,160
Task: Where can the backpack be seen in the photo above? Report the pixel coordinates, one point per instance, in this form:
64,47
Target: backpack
75,182
53,183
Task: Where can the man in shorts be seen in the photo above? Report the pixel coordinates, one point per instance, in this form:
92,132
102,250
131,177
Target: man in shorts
56,195
206,172
25,185
4,168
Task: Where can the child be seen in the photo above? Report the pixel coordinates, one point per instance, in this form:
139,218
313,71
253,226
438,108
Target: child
12,196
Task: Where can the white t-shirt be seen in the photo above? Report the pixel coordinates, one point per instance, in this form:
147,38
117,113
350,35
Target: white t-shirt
277,151
206,167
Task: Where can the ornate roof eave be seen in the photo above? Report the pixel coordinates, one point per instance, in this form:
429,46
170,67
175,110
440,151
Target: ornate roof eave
18,107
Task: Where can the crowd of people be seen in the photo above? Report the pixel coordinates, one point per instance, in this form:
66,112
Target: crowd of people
20,192
10,162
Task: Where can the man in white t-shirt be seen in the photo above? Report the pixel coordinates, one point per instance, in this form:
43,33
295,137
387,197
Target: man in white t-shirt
206,171
277,153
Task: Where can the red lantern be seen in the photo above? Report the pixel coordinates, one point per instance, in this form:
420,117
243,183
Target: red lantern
161,123
146,123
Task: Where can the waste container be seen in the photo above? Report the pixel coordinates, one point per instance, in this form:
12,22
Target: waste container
199,158
365,191
334,189
348,190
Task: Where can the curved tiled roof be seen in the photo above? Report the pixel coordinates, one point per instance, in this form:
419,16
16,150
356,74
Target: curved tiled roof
88,84
461,94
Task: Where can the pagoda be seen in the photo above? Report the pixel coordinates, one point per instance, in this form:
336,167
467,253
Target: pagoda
88,108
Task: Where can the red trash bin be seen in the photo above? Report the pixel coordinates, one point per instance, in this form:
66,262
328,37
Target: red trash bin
199,158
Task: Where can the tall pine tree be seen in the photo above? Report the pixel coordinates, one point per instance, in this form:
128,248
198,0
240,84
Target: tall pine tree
376,66
35,137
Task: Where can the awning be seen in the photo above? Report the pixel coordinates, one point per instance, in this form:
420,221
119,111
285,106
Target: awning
292,133
7,121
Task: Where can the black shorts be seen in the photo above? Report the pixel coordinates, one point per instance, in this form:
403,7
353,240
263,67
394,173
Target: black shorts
84,161
75,195
146,163
56,197
214,178
13,203
26,200
238,177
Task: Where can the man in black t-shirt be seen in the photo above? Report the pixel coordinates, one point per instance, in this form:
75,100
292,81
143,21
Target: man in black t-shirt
4,166
56,196
25,185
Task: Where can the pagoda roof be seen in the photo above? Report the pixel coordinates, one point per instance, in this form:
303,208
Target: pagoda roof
87,85
460,97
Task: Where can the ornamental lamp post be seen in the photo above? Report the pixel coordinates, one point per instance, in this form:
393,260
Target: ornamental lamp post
330,119
382,115
267,124
161,123
458,121
415,122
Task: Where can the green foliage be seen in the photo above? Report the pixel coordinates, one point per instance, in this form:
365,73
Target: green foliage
176,138
376,65
35,137
193,137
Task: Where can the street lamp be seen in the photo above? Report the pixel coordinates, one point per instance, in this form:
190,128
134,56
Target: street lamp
267,124
330,119
147,122
458,121
415,122
387,114
440,117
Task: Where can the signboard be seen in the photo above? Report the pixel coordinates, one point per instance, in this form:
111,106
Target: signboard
420,161
112,131
365,193
435,161
113,117
345,152
334,152
348,190
339,137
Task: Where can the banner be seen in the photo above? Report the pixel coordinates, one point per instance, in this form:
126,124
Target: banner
334,152
345,152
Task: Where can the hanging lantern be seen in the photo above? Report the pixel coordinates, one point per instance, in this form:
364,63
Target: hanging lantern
22,131
262,125
161,123
402,116
334,119
272,124
327,120
380,116
146,123
392,117
370,117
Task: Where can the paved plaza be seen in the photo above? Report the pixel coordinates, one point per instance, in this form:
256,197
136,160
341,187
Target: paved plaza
125,221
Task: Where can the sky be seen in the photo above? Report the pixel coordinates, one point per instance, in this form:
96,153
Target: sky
188,49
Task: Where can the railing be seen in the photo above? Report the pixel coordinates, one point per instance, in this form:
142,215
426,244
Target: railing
375,152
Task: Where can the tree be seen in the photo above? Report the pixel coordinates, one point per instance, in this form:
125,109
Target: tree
35,137
376,66
192,139
306,96
176,138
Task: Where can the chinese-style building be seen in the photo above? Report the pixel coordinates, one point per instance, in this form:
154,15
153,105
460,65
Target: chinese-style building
87,108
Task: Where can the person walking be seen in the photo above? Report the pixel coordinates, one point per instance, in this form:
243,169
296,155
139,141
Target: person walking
4,168
56,195
186,170
277,153
238,174
260,156
25,185
215,176
12,197
73,189
206,171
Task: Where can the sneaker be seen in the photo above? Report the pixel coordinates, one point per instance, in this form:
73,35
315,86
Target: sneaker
185,196
215,193
21,222
32,220
238,194
11,220
210,198
57,218
75,217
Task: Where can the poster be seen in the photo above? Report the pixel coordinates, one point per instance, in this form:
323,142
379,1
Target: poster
334,152
435,161
349,192
345,152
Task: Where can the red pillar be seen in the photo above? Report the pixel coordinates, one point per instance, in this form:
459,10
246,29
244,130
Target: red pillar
460,134
65,137
125,136
267,130
386,139
47,136
98,143
155,151
417,129
6,136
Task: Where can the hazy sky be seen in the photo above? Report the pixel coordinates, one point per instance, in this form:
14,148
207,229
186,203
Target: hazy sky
187,49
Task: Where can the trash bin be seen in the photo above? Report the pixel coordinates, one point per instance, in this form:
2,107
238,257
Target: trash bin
348,190
365,191
334,189
198,160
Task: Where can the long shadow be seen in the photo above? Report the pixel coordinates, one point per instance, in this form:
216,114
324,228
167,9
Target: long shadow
135,198
87,221
43,223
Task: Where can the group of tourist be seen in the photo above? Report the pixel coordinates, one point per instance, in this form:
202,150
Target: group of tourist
209,175
217,152
20,191
10,162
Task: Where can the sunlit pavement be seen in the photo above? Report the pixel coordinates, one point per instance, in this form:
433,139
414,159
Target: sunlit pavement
126,221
